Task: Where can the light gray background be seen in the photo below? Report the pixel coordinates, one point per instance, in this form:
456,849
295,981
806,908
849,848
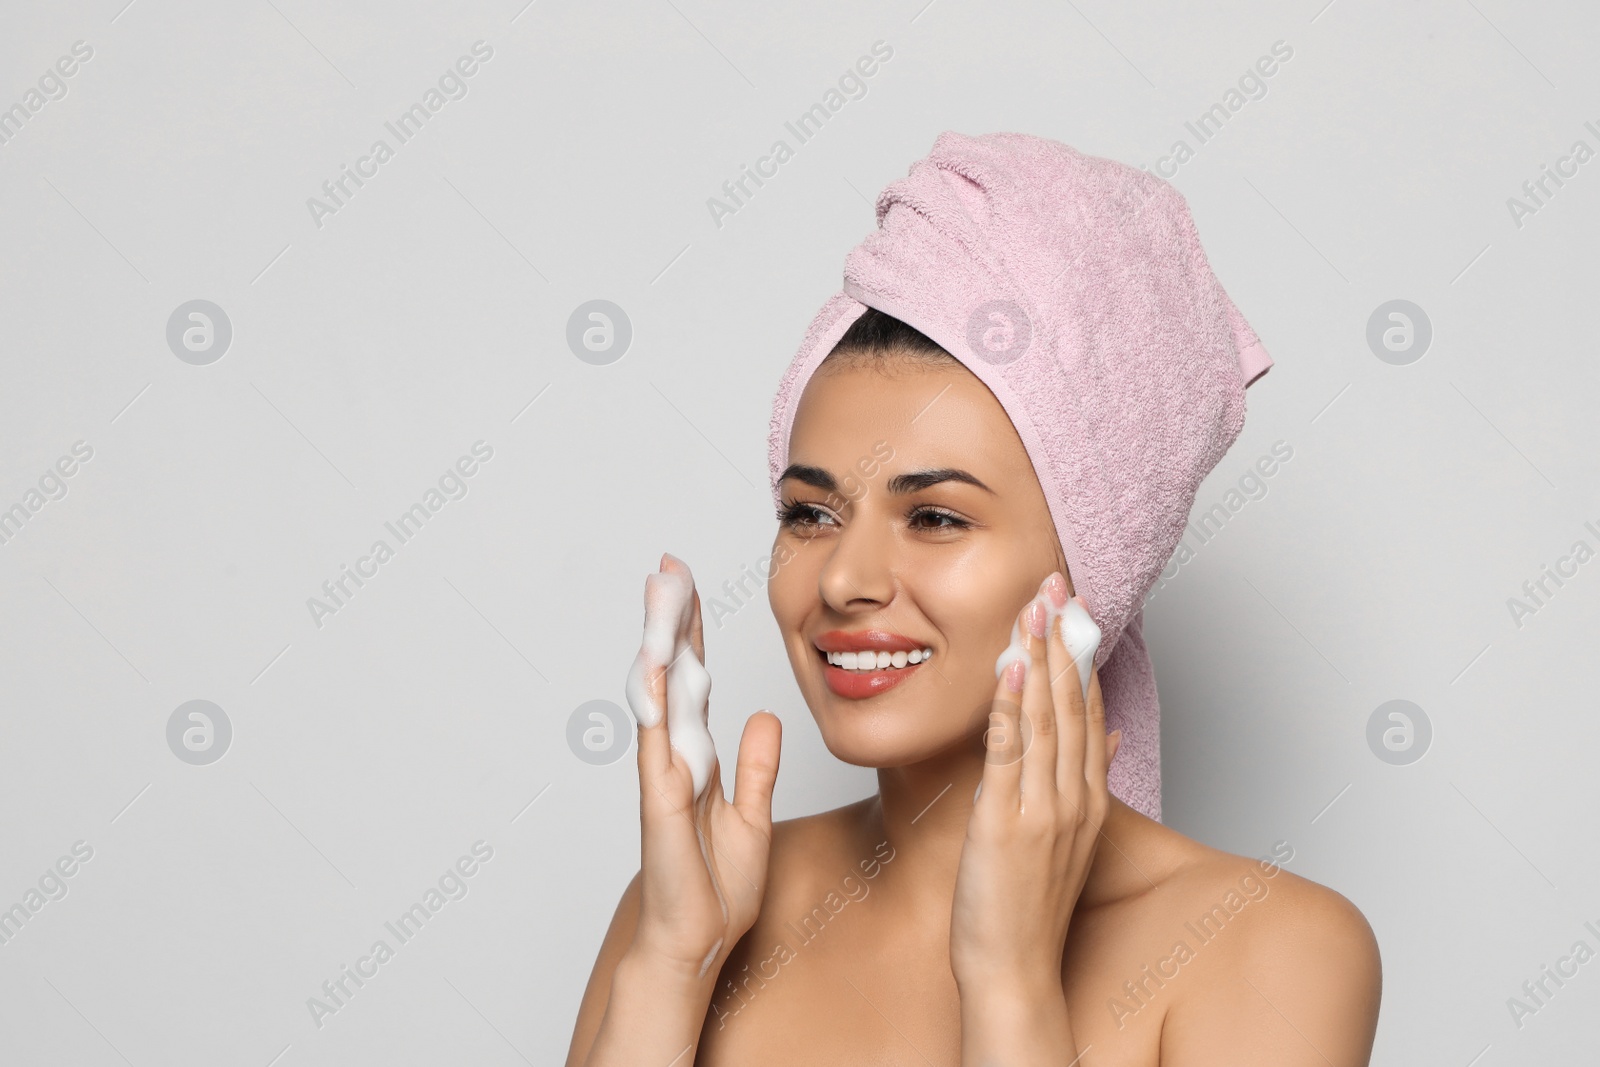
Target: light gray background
431,311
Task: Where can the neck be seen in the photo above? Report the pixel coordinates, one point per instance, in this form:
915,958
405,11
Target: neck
922,811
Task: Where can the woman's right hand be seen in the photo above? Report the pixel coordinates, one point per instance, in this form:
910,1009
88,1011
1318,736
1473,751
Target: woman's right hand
704,861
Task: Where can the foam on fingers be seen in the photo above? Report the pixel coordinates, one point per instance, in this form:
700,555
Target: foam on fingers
1078,632
1082,638
668,608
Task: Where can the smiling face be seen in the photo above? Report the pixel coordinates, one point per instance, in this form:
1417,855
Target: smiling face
913,520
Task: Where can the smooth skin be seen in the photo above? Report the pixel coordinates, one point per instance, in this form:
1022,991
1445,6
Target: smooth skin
918,926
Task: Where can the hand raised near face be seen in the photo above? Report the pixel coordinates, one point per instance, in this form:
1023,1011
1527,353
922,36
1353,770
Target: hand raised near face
704,860
1036,821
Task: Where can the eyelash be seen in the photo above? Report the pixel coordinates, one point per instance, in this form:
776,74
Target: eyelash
791,515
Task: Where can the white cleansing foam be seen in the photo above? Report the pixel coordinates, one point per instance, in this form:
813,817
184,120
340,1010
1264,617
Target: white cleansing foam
668,613
1078,632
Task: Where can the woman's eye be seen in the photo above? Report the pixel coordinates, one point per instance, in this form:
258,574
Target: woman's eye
942,520
798,515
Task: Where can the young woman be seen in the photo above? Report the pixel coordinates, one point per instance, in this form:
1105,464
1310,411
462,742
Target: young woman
1035,920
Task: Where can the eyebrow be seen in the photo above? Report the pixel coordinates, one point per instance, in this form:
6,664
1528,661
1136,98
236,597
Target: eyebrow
912,482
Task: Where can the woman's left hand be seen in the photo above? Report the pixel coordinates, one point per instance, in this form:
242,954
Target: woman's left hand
1035,824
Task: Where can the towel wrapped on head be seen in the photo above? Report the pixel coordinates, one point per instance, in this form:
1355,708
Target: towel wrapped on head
1076,290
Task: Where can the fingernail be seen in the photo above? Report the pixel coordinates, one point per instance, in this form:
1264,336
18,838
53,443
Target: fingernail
1015,675
1033,617
1055,587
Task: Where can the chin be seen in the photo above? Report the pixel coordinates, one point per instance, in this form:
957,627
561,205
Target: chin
880,733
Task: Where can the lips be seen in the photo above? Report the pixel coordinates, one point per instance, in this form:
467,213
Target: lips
860,684
862,640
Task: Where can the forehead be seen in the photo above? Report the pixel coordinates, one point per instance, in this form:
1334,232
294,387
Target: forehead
929,415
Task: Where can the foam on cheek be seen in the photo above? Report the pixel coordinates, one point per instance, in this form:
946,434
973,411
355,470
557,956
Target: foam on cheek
1078,631
668,611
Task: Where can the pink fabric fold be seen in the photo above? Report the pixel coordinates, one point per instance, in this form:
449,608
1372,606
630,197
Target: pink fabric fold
1075,288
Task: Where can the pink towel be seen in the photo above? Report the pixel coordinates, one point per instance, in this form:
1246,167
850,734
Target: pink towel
1076,289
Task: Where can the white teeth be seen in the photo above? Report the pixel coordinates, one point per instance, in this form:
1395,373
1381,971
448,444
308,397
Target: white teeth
871,661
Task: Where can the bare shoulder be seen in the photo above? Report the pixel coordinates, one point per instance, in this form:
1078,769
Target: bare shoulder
810,843
1291,969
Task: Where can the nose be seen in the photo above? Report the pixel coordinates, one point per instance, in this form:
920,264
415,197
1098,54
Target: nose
859,573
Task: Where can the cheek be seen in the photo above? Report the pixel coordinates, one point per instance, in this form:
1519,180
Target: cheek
974,605
787,585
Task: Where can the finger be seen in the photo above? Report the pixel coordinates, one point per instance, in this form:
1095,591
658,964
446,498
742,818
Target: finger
655,749
1102,747
671,564
697,633
669,846
647,677
669,612
758,769
1043,731
1071,651
665,784
1000,788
